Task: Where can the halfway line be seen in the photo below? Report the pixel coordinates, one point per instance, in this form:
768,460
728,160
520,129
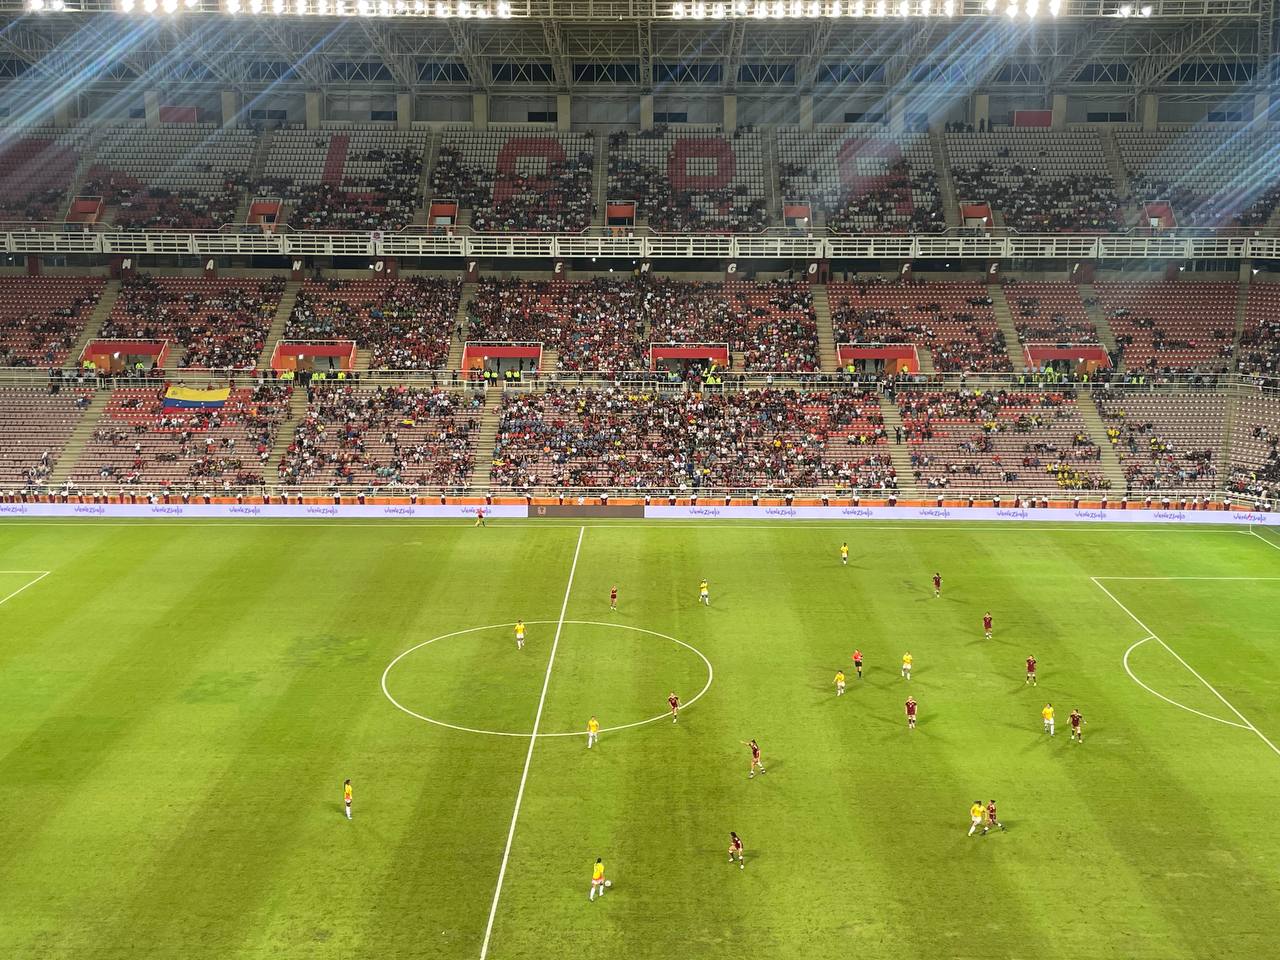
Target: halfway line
528,758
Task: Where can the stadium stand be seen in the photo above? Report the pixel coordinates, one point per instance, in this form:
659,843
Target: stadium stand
1255,448
37,167
1049,312
41,318
189,176
529,181
404,323
952,320
1037,179
1165,326
997,439
1259,353
35,426
356,178
1166,442
140,441
1212,177
862,182
395,435
688,181
621,437
216,323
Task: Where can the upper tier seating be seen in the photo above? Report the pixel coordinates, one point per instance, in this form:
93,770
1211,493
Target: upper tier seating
954,321
687,181
1260,341
382,437
356,178
190,176
1255,448
405,323
596,325
1170,325
137,440
1212,177
35,426
529,181
982,440
621,436
42,317
864,182
1036,179
217,323
1049,312
1164,442
37,167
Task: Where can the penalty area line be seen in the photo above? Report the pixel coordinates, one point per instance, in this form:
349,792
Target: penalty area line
30,583
1268,542
533,741
1152,635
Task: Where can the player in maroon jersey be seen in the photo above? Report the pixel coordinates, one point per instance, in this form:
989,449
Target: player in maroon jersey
857,662
986,625
911,713
1031,671
735,850
480,517
613,599
937,584
992,819
1077,726
674,703
755,757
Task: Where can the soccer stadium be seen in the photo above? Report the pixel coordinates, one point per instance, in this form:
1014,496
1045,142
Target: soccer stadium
639,479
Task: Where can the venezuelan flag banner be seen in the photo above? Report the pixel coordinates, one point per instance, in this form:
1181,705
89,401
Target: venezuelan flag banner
187,397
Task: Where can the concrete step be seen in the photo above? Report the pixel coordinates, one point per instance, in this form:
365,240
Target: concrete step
769,147
1242,305
600,183
1106,336
486,437
1004,316
901,452
550,362
946,185
284,434
926,360
828,358
93,327
79,439
279,322
1109,464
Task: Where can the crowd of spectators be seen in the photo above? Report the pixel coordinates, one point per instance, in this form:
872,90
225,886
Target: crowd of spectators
405,323
1061,320
385,200
134,205
904,200
1151,459
668,207
219,324
40,329
1030,201
390,436
34,205
1261,479
999,438
624,437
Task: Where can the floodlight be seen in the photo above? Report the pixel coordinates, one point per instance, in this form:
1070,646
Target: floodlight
277,7
949,8
464,9
859,8
1147,10
504,10
255,6
149,5
169,6
233,6
300,8
677,11
815,8
1033,7
990,5
1125,11
778,10
442,8
1012,12
717,11
35,6
698,11
1054,7
835,10
926,7
904,8
880,7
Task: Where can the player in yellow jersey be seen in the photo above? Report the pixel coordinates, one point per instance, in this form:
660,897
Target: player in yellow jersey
704,593
844,554
593,731
598,882
839,683
975,816
346,797
519,634
1047,715
906,666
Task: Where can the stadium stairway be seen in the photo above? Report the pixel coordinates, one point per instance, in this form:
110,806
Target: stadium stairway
284,433
1229,416
458,339
1109,462
550,361
79,438
1004,316
1273,222
258,163
422,210
278,323
485,439
1115,166
84,164
600,185
926,360
946,185
1095,313
1242,304
106,303
828,358
900,452
769,149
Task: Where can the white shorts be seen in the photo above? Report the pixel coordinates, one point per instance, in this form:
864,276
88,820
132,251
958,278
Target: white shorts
597,883
704,593
977,821
840,685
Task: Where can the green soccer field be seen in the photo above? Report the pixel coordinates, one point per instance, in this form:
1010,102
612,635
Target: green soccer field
182,701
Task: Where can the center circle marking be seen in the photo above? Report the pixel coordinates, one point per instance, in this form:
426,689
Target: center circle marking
574,733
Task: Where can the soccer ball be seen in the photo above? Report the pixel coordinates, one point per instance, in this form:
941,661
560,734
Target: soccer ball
608,883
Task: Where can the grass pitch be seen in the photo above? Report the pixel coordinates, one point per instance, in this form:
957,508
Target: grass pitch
181,703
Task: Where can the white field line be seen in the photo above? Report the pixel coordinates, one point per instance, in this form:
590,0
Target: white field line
528,758
1157,693
32,583
1262,579
1151,635
1269,543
